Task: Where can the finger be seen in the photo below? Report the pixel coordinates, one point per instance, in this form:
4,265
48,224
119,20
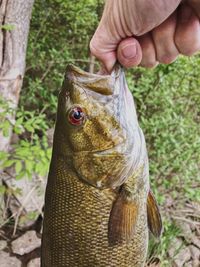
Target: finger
122,19
148,14
163,37
195,4
187,37
106,54
148,51
129,52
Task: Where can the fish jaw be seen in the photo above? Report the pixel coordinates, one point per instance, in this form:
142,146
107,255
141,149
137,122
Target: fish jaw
101,150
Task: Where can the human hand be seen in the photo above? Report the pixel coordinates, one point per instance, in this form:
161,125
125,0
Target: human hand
140,32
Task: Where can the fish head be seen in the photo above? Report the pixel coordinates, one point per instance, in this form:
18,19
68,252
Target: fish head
95,123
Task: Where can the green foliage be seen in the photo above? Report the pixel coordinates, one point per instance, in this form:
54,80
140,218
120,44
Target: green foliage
60,33
6,112
7,27
31,154
168,106
167,101
158,248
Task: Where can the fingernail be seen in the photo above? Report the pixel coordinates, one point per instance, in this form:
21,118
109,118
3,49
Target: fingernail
186,13
129,51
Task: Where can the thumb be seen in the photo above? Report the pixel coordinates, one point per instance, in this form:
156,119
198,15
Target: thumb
110,43
127,51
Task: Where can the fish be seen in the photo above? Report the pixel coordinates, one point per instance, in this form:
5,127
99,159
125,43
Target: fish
99,207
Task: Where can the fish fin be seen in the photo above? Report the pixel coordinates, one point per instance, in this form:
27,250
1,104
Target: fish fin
122,220
154,217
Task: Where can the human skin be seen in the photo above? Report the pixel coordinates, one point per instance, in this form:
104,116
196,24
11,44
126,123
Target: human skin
140,32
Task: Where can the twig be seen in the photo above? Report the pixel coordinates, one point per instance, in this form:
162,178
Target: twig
21,208
92,64
48,70
36,205
185,220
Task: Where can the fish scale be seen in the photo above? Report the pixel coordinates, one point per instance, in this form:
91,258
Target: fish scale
87,211
98,202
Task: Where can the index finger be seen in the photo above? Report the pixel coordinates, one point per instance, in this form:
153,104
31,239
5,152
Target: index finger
195,4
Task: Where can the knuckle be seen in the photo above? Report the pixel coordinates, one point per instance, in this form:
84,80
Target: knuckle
95,48
148,48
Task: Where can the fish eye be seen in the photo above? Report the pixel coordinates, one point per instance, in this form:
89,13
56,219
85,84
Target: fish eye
76,116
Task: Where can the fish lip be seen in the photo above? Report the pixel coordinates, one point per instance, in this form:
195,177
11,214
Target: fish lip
101,84
78,76
71,68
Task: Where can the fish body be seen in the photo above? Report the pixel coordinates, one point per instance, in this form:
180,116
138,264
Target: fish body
98,203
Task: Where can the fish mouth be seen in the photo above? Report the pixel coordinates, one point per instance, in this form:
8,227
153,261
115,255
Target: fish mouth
111,89
102,84
76,72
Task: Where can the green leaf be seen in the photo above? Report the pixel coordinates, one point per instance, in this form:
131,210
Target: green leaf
18,167
8,163
29,165
21,175
7,27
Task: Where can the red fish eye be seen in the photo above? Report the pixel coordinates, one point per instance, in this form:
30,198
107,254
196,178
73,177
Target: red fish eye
76,116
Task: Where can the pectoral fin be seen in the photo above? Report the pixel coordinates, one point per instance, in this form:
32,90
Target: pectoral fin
154,217
122,220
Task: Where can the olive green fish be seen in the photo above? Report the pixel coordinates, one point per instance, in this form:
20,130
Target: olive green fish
98,204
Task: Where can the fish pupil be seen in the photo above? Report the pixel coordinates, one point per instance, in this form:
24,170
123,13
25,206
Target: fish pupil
77,114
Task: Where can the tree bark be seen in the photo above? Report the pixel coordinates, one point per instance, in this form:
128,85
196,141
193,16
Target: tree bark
14,27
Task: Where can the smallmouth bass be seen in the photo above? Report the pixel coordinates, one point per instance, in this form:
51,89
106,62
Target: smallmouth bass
98,203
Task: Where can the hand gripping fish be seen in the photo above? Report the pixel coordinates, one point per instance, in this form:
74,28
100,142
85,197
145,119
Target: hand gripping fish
98,204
